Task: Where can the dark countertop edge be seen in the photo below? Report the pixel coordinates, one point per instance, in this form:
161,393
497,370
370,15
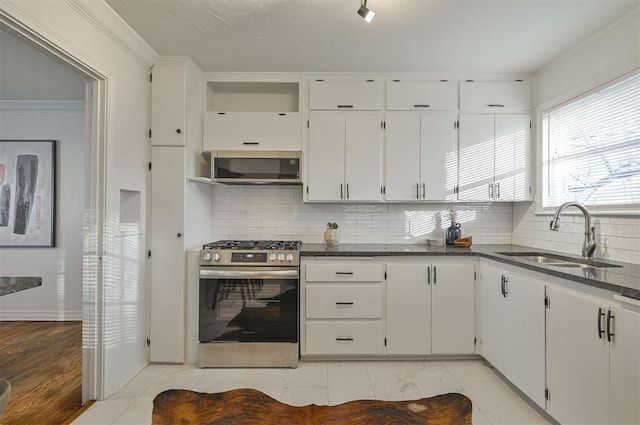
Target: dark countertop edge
11,285
490,254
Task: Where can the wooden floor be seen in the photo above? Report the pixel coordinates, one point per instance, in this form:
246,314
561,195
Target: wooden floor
43,362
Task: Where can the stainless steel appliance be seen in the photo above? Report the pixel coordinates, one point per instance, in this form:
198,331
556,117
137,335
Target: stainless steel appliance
256,167
249,303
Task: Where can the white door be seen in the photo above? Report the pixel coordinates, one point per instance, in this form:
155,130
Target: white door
439,157
167,331
169,101
511,139
492,307
402,157
408,309
525,335
325,174
476,165
452,309
577,359
624,351
363,157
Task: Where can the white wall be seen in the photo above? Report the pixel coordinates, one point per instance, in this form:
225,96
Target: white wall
613,52
277,212
92,34
60,296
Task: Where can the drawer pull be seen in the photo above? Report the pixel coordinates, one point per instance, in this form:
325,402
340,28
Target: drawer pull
495,105
344,339
345,273
343,303
345,106
250,143
422,106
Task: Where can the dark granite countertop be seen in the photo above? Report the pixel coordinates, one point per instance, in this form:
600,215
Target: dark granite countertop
9,285
624,280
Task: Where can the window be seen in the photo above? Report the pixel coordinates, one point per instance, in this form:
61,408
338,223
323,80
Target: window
591,148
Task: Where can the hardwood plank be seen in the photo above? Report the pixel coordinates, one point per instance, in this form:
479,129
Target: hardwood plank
43,362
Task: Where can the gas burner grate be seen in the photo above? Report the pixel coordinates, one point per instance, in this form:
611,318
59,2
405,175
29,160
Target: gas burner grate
252,244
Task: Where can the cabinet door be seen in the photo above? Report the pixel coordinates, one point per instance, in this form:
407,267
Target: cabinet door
408,309
325,174
492,306
511,158
167,331
402,157
452,309
525,335
495,96
439,155
476,161
168,105
577,359
624,367
363,157
252,131
345,95
421,96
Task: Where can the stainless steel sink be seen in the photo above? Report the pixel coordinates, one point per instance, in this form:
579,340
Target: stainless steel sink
557,260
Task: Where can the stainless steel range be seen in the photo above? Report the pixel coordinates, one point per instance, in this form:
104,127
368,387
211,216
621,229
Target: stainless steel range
248,304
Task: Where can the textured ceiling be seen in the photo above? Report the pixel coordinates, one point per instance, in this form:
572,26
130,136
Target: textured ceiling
462,36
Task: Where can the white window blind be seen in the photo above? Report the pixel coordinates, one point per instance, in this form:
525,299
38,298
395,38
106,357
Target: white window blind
591,148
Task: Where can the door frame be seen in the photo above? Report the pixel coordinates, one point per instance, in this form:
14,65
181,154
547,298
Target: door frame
96,101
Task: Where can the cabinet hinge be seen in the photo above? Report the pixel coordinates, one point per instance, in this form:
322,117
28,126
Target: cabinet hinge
149,166
307,123
475,341
307,189
475,276
148,342
547,302
385,275
385,341
149,133
148,253
547,394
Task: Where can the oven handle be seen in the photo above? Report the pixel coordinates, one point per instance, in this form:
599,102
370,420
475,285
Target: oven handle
250,274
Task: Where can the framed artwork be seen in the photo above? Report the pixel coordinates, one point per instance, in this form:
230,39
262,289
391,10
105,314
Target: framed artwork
27,193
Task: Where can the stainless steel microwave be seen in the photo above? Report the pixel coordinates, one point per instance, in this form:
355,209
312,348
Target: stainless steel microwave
256,167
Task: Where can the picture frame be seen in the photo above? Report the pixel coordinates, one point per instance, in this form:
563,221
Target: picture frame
27,193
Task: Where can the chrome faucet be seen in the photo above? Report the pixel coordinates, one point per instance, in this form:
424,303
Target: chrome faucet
589,244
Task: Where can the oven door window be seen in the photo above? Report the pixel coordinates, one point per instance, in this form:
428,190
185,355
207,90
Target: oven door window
248,310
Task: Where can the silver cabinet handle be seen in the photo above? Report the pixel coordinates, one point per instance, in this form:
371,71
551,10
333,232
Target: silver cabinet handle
424,191
343,303
417,190
429,275
347,190
341,192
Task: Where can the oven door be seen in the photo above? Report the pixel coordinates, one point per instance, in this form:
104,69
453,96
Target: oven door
248,304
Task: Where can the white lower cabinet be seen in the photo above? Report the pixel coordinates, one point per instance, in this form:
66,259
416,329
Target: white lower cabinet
512,328
593,363
419,308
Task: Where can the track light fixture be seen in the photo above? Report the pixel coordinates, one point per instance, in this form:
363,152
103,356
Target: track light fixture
366,13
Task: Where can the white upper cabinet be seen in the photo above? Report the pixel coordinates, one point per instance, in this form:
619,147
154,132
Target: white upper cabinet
422,96
346,95
169,100
421,157
252,116
495,96
252,131
344,157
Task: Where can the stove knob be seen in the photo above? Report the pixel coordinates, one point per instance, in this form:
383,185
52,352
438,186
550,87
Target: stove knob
280,257
272,257
216,257
289,257
206,256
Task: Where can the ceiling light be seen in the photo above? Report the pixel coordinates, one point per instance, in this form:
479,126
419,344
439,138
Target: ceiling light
365,12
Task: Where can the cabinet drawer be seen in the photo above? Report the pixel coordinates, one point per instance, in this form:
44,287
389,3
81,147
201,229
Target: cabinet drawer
344,337
252,131
346,95
343,272
495,96
421,96
344,301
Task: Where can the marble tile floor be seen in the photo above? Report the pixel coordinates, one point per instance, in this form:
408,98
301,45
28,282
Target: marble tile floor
329,382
